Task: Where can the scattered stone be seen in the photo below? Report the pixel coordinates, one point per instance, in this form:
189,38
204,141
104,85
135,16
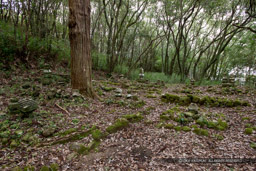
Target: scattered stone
48,131
78,147
118,95
193,108
71,156
129,96
188,114
76,94
19,133
118,125
26,86
133,117
14,144
118,90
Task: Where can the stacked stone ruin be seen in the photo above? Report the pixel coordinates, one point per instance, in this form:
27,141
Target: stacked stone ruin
228,82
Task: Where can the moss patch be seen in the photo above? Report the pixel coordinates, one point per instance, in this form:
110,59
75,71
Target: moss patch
248,131
97,135
133,117
186,129
200,131
118,125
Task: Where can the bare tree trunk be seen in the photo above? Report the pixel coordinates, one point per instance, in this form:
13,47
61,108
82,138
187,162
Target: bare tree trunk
79,35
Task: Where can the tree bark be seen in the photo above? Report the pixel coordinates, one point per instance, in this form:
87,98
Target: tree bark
79,35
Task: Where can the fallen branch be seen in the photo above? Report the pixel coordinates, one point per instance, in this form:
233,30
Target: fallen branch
62,109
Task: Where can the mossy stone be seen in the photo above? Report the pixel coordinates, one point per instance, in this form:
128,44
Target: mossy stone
4,141
212,124
218,137
186,129
45,168
253,145
202,121
170,98
194,126
248,125
229,103
14,144
68,131
237,103
222,124
118,125
29,168
17,168
200,131
169,126
79,148
177,128
164,117
248,131
54,167
97,135
133,117
184,101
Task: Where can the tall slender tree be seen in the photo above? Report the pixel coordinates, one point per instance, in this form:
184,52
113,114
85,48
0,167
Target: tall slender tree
79,35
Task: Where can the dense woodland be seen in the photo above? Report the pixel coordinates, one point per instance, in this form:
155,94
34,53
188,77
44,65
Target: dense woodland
170,79
186,39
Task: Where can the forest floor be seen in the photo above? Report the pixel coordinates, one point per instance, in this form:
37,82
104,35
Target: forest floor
133,126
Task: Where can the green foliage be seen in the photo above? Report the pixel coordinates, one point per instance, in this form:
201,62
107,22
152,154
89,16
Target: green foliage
11,46
99,61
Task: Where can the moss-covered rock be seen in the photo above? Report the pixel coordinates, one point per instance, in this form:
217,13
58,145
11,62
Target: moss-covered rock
186,128
14,144
29,168
133,117
200,131
45,168
118,125
221,125
169,98
97,135
194,99
177,128
218,137
248,131
164,117
67,132
184,101
194,126
253,145
169,126
212,124
202,121
54,167
107,89
17,168
79,148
